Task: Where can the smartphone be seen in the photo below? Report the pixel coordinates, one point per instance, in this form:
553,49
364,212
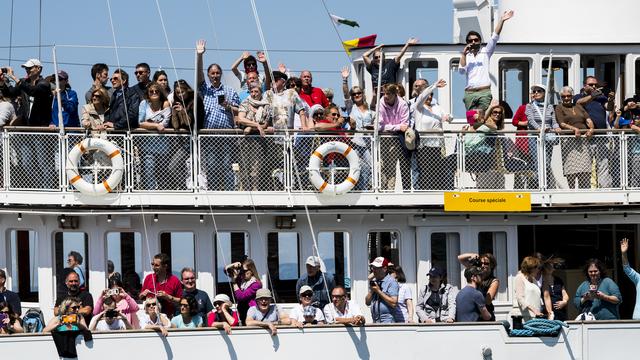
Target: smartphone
70,319
593,288
474,47
111,313
372,283
220,99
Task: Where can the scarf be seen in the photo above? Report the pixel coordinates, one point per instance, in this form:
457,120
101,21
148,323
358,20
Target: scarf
263,110
245,284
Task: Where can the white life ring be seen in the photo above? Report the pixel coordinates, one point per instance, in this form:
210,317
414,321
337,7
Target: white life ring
315,162
117,164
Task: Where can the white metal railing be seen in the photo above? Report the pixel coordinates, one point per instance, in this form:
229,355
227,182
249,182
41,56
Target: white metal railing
230,162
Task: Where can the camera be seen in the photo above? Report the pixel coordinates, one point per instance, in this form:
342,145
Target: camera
113,292
474,47
372,283
4,70
593,288
220,99
475,262
111,313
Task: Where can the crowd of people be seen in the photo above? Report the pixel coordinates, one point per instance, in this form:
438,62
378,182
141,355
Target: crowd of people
165,301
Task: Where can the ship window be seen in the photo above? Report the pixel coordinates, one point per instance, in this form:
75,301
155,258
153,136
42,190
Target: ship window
456,88
637,76
445,248
559,78
514,84
333,248
283,252
425,69
124,250
180,247
496,243
65,242
230,247
24,264
384,243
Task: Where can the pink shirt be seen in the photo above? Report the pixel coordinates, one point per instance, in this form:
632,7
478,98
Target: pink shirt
392,116
127,307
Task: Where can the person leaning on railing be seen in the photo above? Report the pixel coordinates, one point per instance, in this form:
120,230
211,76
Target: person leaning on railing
265,314
360,118
598,295
576,155
394,118
484,150
69,101
437,301
629,118
153,318
93,113
527,298
10,322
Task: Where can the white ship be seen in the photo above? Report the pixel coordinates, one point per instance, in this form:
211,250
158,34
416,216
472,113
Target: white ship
276,219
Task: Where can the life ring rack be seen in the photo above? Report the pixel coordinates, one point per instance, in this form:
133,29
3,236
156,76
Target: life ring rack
117,166
315,162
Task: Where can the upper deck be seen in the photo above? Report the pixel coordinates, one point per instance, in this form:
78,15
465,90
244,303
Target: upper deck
215,169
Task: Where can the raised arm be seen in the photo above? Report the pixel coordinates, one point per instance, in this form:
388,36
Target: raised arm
345,83
428,91
411,41
200,49
505,16
465,259
365,56
234,66
267,71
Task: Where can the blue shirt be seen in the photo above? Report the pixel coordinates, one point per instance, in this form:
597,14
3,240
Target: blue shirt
635,277
602,310
381,312
595,109
469,304
196,321
215,115
69,100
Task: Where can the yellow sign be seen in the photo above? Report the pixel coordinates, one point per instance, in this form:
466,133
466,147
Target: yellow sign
487,201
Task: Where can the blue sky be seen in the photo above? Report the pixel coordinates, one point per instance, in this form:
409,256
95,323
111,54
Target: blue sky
287,25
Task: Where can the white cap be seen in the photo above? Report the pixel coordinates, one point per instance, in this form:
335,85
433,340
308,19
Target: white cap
379,262
313,261
315,108
304,289
222,297
534,86
31,63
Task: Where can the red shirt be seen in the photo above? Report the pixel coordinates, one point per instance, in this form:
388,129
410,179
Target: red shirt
315,97
171,286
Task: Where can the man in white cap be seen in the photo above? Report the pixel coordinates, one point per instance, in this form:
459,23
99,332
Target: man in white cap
304,313
38,92
265,314
383,292
316,279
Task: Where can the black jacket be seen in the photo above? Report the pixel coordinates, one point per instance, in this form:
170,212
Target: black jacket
117,114
40,114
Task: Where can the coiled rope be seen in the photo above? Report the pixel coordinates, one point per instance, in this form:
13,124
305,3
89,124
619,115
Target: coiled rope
538,327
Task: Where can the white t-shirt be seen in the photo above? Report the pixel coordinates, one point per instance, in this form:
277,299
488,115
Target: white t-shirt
7,113
404,294
351,310
297,313
160,320
116,325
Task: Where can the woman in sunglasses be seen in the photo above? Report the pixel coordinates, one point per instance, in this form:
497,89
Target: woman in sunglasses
246,283
529,117
69,318
153,319
576,154
189,317
154,114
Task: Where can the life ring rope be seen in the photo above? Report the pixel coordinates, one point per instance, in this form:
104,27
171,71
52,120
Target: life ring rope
117,166
315,163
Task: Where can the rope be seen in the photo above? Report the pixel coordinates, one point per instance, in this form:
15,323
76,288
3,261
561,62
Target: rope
539,327
306,208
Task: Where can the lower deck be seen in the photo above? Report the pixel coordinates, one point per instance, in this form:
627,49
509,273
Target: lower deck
35,247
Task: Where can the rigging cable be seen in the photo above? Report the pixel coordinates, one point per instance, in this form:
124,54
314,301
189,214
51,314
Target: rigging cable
326,9
11,33
124,101
306,208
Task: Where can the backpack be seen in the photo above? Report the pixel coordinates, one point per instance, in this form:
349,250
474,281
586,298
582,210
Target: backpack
33,321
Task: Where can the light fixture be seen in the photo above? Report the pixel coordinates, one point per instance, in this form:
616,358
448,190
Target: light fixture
546,217
201,219
108,218
293,218
424,217
381,217
625,215
506,218
63,219
155,218
338,218
249,218
586,216
19,216
467,218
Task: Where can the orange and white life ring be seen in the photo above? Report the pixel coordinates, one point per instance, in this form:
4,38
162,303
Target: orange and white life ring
117,166
315,162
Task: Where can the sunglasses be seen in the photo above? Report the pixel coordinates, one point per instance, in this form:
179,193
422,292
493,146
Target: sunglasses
154,92
334,114
496,113
219,303
150,304
473,40
305,295
95,95
337,296
115,79
566,96
356,93
536,91
140,72
184,305
4,312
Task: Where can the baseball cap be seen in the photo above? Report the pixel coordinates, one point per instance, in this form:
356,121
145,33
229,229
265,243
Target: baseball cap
316,108
222,297
436,271
379,262
31,63
63,75
277,75
304,289
313,261
263,293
